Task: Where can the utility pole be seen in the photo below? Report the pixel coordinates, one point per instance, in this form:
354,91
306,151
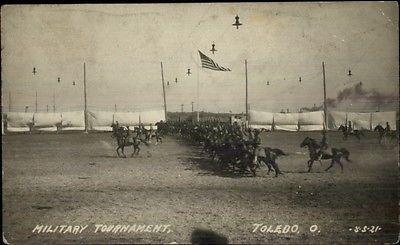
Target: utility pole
9,101
163,87
36,102
54,102
247,113
115,107
182,108
192,106
325,109
84,94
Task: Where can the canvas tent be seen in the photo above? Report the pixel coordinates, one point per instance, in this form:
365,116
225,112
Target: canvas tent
127,118
19,121
359,121
261,119
286,121
73,120
310,121
100,120
380,118
152,117
46,121
336,118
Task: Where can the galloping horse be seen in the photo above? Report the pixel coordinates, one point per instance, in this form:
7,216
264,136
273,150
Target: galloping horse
316,154
125,139
268,156
356,133
385,134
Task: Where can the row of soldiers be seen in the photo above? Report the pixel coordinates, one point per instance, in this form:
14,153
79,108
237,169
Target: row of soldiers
232,144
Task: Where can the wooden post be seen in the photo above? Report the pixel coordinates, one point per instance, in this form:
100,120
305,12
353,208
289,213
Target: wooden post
9,101
325,109
163,86
36,102
54,102
84,94
198,107
247,113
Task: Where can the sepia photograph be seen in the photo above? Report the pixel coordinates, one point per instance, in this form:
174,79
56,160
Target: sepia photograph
200,123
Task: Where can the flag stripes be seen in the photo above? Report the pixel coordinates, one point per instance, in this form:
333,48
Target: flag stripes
208,63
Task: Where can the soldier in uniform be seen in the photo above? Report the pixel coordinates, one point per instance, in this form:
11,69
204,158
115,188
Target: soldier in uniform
387,129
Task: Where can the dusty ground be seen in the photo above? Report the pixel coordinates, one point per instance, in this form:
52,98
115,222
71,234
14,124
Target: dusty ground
76,179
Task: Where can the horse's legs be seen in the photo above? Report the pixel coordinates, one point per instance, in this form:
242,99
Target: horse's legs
138,150
341,165
276,168
119,147
310,163
330,166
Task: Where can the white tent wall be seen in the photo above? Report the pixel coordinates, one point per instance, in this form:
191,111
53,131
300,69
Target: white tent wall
311,121
46,119
311,127
311,118
152,117
336,118
100,120
73,120
19,121
359,121
380,118
286,121
127,118
258,126
261,117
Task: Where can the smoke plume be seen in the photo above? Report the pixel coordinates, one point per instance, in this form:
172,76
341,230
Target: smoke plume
357,93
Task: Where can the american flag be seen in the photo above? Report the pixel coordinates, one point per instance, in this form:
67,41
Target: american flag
208,63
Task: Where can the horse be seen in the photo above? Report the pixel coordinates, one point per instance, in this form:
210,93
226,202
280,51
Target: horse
356,133
124,139
384,134
268,156
316,154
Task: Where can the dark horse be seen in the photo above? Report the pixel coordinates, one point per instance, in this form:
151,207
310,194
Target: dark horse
125,139
356,133
268,156
384,134
316,154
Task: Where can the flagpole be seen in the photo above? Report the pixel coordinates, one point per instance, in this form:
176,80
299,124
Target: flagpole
163,86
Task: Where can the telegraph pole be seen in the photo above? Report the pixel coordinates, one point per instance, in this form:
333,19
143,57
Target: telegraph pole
9,101
36,103
84,94
54,102
247,113
192,106
325,109
163,88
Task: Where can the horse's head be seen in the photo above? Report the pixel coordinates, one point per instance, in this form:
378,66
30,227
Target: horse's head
378,128
307,141
341,128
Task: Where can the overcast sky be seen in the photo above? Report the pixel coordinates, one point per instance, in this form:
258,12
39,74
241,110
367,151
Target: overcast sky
123,46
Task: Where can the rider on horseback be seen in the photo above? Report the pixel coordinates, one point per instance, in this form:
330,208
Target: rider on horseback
323,145
350,128
387,129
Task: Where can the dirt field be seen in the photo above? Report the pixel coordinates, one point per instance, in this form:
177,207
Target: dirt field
76,179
